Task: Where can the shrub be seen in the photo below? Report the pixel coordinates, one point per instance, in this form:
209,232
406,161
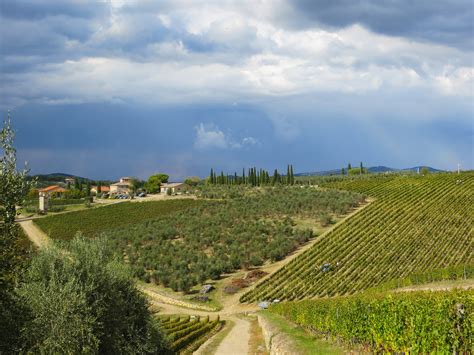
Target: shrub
84,301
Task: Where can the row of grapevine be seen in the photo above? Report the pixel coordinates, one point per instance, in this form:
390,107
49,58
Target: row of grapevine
459,272
186,334
411,322
415,224
92,222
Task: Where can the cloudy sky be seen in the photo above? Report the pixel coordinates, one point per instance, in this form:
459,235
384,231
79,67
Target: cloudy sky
110,88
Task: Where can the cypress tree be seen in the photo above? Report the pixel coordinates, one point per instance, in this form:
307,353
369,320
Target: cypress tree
292,177
343,172
211,177
361,168
243,176
275,177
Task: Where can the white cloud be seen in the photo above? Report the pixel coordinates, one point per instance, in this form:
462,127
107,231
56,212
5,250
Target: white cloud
222,53
249,141
210,136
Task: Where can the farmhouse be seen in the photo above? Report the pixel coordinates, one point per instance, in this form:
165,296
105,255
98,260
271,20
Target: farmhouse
69,181
175,187
103,189
121,187
54,189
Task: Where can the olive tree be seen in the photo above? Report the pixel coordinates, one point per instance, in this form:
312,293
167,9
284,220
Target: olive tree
13,188
13,183
83,300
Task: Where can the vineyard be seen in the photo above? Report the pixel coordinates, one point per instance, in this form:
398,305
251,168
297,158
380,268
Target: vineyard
95,221
183,249
186,334
415,224
412,322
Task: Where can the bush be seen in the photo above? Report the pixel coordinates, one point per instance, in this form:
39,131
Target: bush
84,301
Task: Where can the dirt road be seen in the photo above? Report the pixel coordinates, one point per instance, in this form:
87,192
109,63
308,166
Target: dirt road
36,235
237,341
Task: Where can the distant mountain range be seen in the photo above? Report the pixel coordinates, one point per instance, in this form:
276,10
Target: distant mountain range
59,179
373,169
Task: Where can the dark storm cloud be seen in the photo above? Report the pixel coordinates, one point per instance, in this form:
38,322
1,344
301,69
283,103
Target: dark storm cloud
36,32
448,22
104,89
40,9
39,32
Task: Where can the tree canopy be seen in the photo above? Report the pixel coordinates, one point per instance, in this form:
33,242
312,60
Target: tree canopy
154,182
13,188
192,180
83,300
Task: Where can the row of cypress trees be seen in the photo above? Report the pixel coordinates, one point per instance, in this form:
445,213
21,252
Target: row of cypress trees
351,170
253,177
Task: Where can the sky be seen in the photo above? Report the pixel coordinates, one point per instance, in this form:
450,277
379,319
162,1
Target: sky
105,89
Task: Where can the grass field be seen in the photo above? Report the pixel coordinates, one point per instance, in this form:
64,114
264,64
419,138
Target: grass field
304,342
416,224
95,221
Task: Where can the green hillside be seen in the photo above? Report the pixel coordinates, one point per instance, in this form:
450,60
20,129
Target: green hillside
415,224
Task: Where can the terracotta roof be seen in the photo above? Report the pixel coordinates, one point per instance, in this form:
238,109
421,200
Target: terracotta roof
54,188
102,188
